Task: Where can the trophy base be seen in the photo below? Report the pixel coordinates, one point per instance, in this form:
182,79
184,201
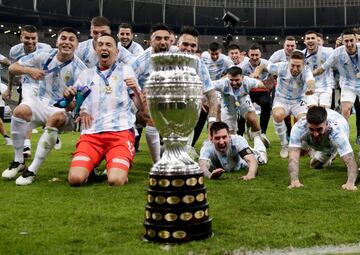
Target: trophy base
177,210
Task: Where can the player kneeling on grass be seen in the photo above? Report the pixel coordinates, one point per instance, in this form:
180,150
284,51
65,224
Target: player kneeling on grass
225,153
327,133
106,116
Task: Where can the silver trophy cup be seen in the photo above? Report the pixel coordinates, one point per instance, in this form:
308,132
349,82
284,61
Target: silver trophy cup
177,208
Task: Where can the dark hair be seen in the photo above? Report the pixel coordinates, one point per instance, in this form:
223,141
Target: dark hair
126,25
29,29
159,26
216,126
69,30
234,47
348,31
109,35
316,115
254,46
189,31
311,32
297,55
234,71
214,46
320,35
100,21
290,38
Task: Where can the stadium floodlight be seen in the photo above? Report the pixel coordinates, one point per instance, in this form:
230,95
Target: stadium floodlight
230,19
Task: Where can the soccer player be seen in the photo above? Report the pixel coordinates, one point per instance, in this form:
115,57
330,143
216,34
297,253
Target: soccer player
259,95
54,71
236,55
159,42
3,132
327,133
314,56
283,54
126,36
86,50
346,60
29,43
107,117
226,153
188,43
235,100
293,82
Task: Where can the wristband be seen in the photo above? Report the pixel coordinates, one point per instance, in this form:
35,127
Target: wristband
211,119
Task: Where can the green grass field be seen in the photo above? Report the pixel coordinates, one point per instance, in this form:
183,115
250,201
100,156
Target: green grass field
49,217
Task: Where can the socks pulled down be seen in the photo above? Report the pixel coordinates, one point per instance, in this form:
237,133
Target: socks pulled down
45,144
153,141
280,130
19,129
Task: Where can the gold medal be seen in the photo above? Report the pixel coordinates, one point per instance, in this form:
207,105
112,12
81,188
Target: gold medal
191,181
152,182
108,89
160,200
201,180
200,197
156,216
358,75
150,198
147,214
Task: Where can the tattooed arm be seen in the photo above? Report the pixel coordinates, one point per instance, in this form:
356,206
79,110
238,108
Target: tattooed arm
293,168
352,171
205,166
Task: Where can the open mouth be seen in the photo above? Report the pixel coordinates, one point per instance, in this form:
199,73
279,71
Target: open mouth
104,56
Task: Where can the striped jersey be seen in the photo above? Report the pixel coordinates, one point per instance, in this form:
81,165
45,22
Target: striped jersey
217,68
109,111
289,87
17,51
134,48
347,66
325,81
336,137
57,78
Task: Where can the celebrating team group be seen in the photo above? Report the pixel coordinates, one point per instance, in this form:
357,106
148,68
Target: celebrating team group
98,84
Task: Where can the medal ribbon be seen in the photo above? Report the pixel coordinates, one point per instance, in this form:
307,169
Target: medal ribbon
105,78
56,68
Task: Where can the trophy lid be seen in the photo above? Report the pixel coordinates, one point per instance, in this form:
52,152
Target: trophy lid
164,61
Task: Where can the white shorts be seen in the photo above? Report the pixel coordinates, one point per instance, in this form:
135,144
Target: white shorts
28,92
347,95
230,118
41,112
246,106
319,98
290,107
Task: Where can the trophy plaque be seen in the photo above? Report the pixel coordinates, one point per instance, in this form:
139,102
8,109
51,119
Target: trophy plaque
177,209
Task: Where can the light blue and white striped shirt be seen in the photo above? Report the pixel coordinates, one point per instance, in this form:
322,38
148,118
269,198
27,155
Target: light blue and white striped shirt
51,88
324,82
248,69
17,51
134,48
217,68
348,67
336,137
109,111
289,87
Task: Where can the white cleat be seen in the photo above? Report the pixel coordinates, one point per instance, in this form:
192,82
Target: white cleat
12,170
26,178
58,144
265,140
8,141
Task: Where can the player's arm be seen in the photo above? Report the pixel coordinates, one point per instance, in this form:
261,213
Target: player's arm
5,62
17,69
259,70
318,71
213,105
205,167
310,87
352,171
253,166
293,168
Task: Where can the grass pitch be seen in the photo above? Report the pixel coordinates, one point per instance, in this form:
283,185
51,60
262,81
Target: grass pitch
49,217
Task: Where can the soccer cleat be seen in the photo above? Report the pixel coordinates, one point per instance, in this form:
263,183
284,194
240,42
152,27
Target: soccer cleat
265,140
26,178
27,152
284,152
34,131
58,144
8,141
12,170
